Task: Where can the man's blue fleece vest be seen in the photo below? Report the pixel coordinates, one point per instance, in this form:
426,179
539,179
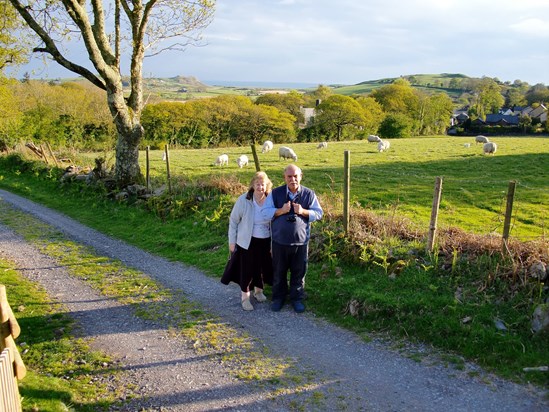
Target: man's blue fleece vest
286,230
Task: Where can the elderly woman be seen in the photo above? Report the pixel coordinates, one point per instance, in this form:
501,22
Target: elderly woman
250,264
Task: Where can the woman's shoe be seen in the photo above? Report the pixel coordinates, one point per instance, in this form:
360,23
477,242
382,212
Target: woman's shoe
247,305
260,297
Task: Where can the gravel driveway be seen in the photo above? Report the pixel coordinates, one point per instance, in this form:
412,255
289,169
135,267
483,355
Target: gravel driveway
343,371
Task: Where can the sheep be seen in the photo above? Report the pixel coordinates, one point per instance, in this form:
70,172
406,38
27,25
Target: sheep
481,139
242,161
383,145
489,148
286,153
267,146
322,145
222,160
466,145
374,139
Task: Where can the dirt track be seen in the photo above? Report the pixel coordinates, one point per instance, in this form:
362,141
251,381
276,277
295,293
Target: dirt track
343,372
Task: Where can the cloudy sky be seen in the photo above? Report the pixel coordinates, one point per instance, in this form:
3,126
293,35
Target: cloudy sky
349,41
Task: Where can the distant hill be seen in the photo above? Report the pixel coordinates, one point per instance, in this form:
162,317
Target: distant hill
180,88
427,82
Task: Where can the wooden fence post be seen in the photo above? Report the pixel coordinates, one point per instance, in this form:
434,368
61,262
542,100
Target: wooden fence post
52,154
508,214
167,156
256,158
434,214
44,154
147,168
346,189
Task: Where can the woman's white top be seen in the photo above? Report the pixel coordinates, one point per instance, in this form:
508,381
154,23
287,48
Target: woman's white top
262,227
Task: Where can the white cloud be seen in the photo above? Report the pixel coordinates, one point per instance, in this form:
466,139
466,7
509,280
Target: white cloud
533,27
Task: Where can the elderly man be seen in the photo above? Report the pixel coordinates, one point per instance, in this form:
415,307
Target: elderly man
292,208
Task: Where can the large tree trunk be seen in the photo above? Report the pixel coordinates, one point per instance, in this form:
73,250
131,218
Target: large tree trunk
130,133
127,170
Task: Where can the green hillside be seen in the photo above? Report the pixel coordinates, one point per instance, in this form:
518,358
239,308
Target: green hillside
429,83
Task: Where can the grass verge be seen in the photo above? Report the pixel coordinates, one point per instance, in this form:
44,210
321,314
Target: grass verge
63,372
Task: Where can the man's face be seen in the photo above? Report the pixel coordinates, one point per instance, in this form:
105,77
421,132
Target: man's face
292,177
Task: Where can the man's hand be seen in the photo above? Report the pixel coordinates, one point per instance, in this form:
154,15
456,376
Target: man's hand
298,210
284,209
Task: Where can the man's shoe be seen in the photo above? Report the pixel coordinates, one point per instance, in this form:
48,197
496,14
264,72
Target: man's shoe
247,305
277,305
298,306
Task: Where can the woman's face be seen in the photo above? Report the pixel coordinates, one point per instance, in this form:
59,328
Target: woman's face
260,186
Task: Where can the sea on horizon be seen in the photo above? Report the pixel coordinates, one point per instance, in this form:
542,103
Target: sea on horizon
259,84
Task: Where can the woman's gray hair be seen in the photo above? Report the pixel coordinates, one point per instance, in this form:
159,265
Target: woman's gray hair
257,176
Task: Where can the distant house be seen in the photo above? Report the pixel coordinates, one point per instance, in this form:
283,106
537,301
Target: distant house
308,116
526,111
501,120
459,117
538,112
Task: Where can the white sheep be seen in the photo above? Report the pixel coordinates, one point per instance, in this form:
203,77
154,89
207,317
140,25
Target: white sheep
373,139
267,146
466,145
222,160
285,152
322,145
481,139
489,148
383,145
242,161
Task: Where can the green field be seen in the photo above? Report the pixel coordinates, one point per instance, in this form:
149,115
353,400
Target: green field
402,180
426,300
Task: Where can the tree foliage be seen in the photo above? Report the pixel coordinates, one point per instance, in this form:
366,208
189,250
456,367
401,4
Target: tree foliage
65,115
232,120
396,125
488,98
338,112
13,41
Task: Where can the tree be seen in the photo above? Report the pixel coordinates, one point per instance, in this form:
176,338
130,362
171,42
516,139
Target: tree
514,97
538,93
373,114
398,97
286,102
438,113
338,111
396,125
10,116
321,93
143,26
488,97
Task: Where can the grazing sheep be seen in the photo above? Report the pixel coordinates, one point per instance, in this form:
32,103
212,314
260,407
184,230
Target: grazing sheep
242,161
383,145
481,139
322,145
373,139
466,145
222,160
286,153
267,146
489,148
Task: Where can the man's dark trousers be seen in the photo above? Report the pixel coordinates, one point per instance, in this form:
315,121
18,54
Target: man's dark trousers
295,259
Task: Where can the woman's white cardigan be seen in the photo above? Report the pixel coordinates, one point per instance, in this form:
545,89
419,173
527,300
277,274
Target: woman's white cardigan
241,222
